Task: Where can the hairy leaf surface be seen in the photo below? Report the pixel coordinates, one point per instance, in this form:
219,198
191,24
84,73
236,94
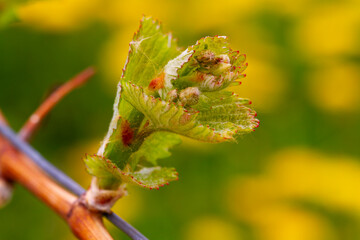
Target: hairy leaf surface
149,52
154,147
107,172
210,126
164,93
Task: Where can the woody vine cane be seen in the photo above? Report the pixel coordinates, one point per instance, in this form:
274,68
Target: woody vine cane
20,168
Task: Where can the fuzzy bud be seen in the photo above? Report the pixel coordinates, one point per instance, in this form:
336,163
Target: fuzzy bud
209,83
101,200
206,59
189,96
172,95
222,64
228,78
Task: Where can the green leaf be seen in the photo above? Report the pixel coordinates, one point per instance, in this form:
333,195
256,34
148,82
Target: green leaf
175,118
108,174
151,178
171,71
150,50
225,111
164,93
154,147
217,45
210,65
102,168
209,100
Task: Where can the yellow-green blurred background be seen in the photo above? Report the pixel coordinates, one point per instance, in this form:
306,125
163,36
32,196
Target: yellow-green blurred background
296,178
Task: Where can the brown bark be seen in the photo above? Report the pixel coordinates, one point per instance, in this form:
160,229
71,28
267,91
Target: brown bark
16,167
19,168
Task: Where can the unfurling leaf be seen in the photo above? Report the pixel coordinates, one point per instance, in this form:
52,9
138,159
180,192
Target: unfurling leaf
163,93
154,147
150,50
103,169
151,178
210,125
107,172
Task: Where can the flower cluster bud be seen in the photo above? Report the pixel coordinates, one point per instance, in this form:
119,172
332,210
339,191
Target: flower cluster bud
101,200
208,66
213,64
189,96
209,82
172,95
213,72
222,64
206,59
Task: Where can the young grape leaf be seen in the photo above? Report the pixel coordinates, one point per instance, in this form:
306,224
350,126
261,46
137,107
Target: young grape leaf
164,93
210,65
210,126
103,169
149,52
151,178
154,147
107,172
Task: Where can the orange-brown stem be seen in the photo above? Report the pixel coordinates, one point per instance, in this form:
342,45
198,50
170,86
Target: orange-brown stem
6,185
18,167
35,119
